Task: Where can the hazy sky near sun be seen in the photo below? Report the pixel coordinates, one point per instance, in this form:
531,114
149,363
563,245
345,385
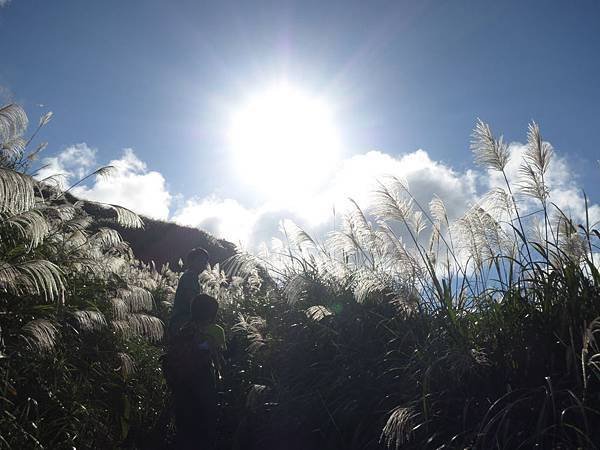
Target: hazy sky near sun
152,84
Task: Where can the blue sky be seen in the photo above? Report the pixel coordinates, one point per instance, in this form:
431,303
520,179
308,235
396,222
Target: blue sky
160,77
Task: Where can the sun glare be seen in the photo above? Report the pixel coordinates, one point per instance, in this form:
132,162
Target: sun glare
284,141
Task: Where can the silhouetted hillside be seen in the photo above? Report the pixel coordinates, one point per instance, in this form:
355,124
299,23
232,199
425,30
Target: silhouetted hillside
160,241
164,242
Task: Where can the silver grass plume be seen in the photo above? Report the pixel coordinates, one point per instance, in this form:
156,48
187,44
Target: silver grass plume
590,352
368,282
75,240
318,312
124,217
343,242
480,235
136,298
41,334
45,119
531,183
16,191
119,308
499,204
439,216
13,122
213,281
36,277
139,277
437,208
418,223
30,225
78,223
489,152
389,203
536,161
241,264
298,237
62,212
252,327
34,154
126,365
434,241
357,237
296,289
397,429
89,320
572,245
146,326
360,225
336,269
127,218
13,149
395,250
539,152
106,238
122,327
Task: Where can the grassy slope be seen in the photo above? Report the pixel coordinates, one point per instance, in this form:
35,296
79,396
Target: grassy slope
165,242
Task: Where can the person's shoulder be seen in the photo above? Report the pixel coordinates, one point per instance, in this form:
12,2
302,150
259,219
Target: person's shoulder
188,277
185,274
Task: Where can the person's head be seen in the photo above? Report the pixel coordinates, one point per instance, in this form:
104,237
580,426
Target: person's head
197,259
204,308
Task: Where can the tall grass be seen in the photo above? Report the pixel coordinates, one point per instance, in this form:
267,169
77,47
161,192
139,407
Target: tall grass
74,303
405,329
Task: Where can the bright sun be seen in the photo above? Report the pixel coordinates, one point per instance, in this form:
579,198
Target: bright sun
284,141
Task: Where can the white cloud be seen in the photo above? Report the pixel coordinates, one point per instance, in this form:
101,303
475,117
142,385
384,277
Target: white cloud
145,191
355,178
4,3
221,217
69,166
359,175
131,186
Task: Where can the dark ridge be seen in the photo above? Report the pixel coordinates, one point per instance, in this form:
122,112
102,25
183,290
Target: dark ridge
167,242
160,241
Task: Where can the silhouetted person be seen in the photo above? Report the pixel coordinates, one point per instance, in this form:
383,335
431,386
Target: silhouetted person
193,366
187,289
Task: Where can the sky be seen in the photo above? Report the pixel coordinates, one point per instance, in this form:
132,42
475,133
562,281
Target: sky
151,87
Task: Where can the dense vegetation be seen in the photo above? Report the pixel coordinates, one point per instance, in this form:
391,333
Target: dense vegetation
404,329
